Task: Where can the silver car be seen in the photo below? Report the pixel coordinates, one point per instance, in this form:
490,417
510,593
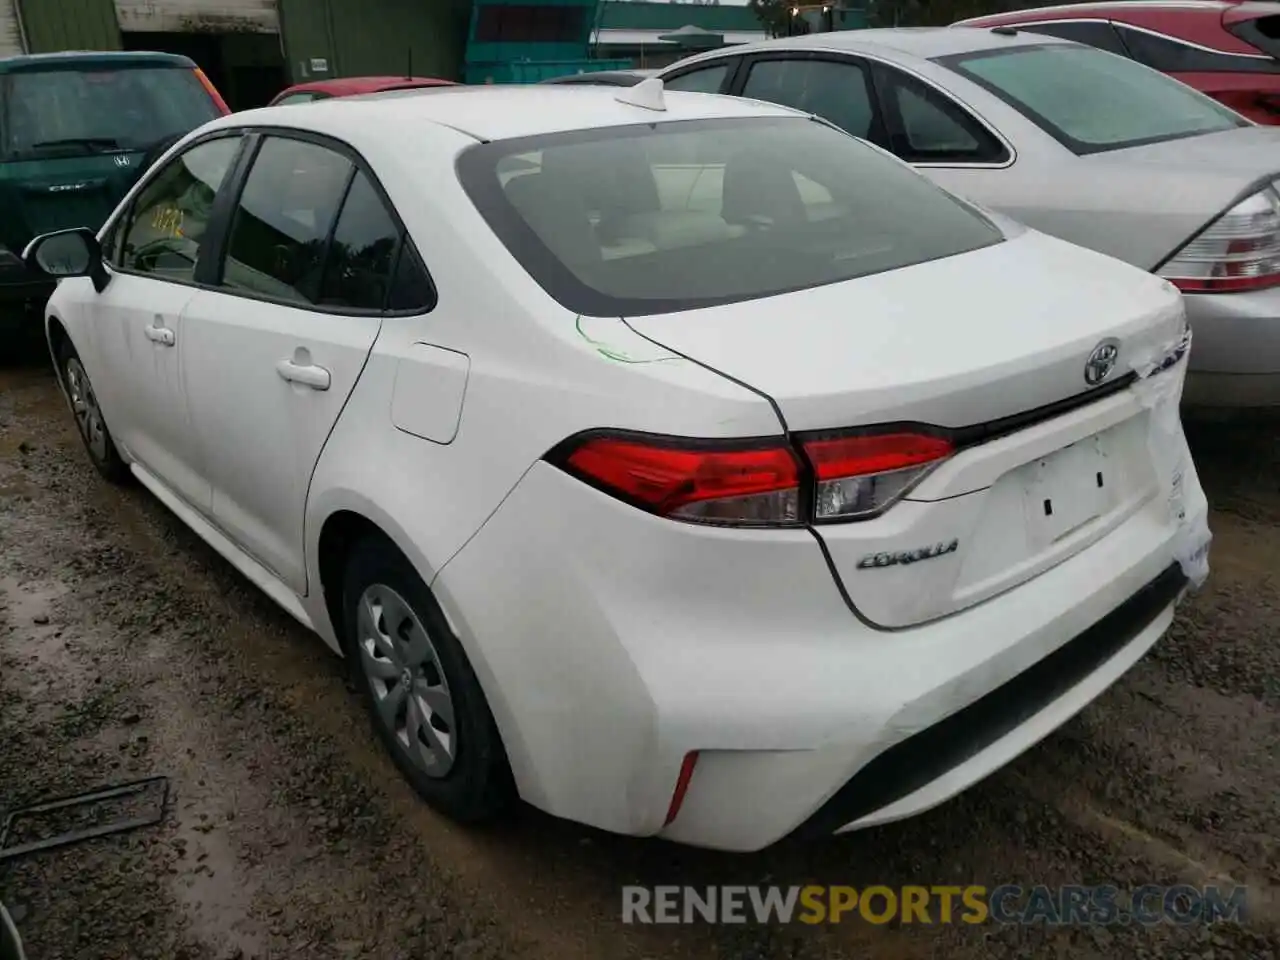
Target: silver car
1077,142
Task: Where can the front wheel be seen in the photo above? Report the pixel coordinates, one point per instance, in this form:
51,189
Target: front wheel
90,422
424,699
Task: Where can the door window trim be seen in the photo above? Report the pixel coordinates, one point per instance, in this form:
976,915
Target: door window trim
208,272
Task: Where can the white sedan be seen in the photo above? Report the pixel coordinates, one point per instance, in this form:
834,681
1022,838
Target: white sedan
678,463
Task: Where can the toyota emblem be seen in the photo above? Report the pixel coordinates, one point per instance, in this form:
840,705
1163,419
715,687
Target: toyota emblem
1101,362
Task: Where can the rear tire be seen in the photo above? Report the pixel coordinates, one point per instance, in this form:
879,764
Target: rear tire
90,423
424,700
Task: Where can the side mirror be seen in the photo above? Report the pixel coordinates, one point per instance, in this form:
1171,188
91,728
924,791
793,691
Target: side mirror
68,253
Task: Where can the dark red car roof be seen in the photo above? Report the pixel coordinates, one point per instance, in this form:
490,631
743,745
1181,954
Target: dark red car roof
352,86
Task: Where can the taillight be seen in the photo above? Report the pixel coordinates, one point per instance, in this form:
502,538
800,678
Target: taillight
749,484
756,483
861,475
1238,251
210,89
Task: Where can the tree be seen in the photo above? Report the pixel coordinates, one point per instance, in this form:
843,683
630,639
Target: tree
774,16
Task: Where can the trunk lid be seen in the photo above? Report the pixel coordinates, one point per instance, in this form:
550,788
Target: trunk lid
955,342
961,342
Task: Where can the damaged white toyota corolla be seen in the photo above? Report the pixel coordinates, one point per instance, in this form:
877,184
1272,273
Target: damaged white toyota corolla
676,462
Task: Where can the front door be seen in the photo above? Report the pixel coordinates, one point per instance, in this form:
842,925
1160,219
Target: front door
154,251
273,352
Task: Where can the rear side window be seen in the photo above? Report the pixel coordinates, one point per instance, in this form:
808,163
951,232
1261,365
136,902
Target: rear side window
281,226
836,90
656,218
362,253
61,112
1092,101
1262,32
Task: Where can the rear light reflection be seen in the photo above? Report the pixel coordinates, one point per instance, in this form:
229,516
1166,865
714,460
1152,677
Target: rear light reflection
761,483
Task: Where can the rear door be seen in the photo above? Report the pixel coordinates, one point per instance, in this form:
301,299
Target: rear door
276,341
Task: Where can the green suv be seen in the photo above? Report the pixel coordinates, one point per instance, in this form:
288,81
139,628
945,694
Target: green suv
76,132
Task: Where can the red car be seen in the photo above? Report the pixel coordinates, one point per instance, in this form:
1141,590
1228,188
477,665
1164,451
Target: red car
351,86
1225,49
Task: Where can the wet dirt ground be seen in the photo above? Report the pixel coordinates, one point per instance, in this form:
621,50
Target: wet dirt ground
129,649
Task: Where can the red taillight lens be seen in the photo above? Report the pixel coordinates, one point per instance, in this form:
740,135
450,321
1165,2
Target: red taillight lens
859,476
1238,251
756,485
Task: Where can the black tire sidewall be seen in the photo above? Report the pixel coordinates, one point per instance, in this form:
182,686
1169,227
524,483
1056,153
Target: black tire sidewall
478,786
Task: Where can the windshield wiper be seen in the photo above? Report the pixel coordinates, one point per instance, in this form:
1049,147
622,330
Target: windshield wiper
93,143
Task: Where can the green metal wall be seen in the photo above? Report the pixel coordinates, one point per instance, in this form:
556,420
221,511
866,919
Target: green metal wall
364,37
54,25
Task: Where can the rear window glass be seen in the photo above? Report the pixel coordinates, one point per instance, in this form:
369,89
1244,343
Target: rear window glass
1092,101
49,113
663,217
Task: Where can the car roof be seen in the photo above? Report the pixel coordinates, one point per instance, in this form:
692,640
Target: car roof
93,58
1084,9
350,86
923,42
493,112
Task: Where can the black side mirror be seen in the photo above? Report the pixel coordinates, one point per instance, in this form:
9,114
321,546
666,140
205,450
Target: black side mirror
68,253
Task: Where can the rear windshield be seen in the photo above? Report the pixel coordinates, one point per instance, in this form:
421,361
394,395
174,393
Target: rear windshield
1091,100
655,218
48,113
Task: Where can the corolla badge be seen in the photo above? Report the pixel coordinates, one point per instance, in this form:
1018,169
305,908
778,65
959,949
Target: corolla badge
1101,362
894,558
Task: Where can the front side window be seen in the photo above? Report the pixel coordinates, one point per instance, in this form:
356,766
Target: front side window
280,230
656,218
835,90
77,112
167,222
1092,101
706,80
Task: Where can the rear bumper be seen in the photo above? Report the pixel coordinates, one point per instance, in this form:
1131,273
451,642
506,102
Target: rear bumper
1235,361
611,644
923,770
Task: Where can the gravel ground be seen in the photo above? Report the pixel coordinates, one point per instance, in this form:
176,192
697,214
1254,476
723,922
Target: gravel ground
129,649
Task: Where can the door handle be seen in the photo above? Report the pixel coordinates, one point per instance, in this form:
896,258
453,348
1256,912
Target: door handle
309,375
162,335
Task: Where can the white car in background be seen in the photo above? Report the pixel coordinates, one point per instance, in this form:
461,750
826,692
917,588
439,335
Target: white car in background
1083,144
645,453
